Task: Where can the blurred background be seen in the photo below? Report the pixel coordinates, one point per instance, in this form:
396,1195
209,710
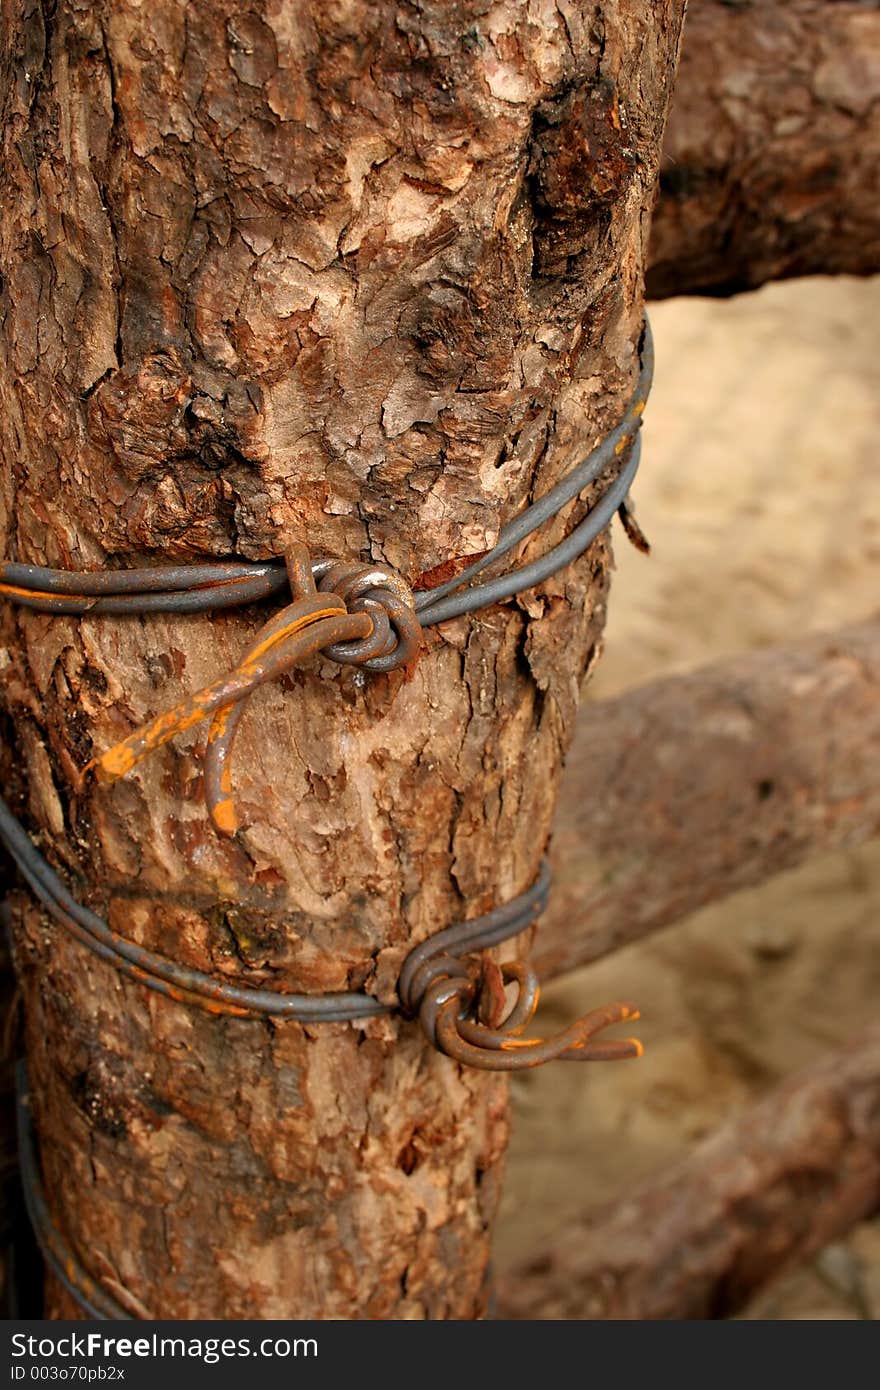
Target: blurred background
758,493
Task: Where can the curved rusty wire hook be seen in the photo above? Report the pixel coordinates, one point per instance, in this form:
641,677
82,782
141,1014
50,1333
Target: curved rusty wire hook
301,641
437,986
362,614
446,1016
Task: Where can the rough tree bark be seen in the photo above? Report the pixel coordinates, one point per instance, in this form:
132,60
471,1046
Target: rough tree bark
764,1193
365,274
8,1160
687,789
771,162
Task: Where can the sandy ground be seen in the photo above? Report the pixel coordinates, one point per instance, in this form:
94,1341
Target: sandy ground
759,493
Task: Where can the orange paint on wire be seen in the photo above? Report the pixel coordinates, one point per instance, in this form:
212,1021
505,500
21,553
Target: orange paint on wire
374,620
253,670
362,614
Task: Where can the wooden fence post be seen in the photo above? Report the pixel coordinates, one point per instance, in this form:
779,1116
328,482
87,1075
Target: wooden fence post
366,275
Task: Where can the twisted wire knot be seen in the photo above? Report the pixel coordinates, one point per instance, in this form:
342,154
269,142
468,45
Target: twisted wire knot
389,601
451,1006
360,614
462,1008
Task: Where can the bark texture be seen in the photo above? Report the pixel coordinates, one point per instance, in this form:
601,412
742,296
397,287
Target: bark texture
765,1192
685,790
771,163
364,274
9,1193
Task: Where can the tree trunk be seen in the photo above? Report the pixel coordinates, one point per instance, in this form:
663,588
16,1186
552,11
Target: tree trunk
685,790
771,162
8,1162
364,275
768,1190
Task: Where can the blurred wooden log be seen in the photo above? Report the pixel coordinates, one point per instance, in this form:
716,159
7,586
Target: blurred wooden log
683,791
772,152
766,1191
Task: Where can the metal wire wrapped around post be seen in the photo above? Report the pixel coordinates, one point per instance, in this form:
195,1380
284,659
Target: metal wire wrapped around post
225,584
187,985
351,613
68,1269
436,984
355,613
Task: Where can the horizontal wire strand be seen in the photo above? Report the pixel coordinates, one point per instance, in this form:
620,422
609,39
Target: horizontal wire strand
197,588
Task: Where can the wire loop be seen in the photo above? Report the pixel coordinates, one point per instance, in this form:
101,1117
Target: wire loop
448,1000
397,633
355,614
361,614
433,973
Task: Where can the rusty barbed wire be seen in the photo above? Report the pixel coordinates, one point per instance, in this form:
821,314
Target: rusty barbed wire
357,614
362,614
375,627
438,987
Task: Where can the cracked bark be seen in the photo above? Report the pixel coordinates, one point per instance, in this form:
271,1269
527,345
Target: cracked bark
9,1194
367,275
771,161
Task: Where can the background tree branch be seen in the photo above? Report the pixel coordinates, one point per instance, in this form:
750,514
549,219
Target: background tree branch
772,153
765,1191
683,791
